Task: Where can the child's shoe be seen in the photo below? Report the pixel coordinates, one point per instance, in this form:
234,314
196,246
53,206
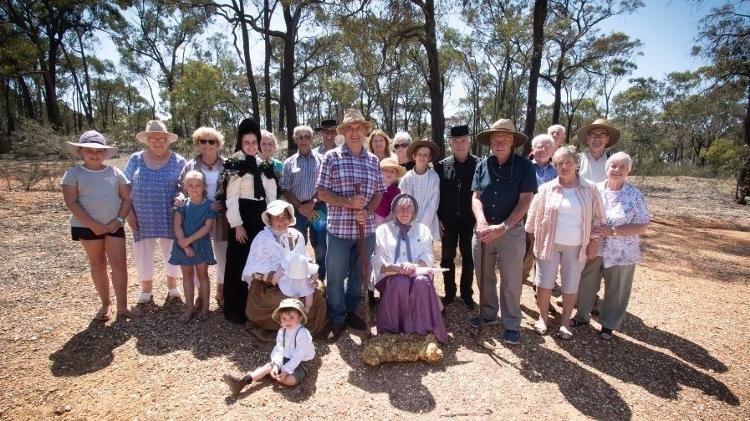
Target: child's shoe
174,293
145,298
236,383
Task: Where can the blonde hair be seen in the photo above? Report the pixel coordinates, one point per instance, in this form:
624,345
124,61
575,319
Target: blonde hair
265,134
378,132
196,175
207,133
569,150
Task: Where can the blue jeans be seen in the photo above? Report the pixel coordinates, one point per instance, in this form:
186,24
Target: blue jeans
317,239
343,263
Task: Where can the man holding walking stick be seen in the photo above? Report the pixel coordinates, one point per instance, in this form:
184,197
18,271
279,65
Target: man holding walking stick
344,169
503,186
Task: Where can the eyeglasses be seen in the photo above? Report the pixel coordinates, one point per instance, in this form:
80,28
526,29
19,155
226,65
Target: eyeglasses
158,139
207,142
400,145
303,137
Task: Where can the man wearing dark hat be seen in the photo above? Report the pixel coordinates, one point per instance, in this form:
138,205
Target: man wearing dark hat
504,184
456,173
597,136
351,184
327,130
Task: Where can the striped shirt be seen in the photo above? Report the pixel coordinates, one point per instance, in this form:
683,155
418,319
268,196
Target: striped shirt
300,174
340,170
542,217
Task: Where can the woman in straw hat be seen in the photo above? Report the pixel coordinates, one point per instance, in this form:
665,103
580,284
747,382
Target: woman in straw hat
246,186
423,183
98,197
154,174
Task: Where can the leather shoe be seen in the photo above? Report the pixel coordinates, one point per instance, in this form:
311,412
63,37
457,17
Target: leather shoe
469,303
447,300
335,330
355,322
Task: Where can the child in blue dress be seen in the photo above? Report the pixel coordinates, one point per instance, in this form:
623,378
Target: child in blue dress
192,250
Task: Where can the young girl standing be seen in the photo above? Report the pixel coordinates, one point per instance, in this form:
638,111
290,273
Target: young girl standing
98,197
192,250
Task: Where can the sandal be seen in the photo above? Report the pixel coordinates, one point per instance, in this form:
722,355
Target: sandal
129,313
103,314
578,323
185,317
606,334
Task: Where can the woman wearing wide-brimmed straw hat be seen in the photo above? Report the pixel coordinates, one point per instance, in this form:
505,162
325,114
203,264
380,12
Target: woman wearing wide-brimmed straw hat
423,183
208,142
246,185
597,137
154,174
98,197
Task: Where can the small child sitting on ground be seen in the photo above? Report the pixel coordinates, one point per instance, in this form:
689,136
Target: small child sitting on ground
291,358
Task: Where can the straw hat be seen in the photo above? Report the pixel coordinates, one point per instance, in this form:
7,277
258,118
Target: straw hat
92,140
420,143
290,303
502,126
392,164
599,123
353,116
276,208
155,127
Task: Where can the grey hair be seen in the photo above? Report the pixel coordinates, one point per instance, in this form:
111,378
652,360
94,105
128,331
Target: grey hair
569,150
554,127
619,156
541,137
303,128
405,198
265,134
403,136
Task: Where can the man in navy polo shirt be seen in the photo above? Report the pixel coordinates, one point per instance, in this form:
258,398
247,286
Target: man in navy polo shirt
504,184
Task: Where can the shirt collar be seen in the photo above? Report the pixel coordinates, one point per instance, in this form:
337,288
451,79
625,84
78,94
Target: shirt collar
345,150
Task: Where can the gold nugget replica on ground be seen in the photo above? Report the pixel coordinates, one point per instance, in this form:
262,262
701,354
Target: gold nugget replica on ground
389,347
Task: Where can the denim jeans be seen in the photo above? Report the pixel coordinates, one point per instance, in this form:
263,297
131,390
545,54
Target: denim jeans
317,239
345,275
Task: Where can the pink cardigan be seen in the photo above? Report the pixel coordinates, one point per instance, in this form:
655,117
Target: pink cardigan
542,217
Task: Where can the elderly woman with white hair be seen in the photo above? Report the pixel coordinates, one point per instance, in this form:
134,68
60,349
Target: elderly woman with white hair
626,219
403,251
561,217
209,142
401,142
268,147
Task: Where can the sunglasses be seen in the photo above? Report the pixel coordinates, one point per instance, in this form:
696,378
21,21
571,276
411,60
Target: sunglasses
207,142
400,145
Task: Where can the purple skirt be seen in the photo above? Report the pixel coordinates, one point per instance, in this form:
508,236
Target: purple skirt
410,305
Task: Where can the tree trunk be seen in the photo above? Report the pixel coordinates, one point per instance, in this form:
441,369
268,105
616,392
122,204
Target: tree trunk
87,79
49,78
557,86
743,177
28,101
79,91
248,63
540,16
286,82
267,66
435,84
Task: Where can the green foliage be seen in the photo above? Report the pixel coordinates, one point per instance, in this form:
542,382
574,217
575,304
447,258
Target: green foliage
724,156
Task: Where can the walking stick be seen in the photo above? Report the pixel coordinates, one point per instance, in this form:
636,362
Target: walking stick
363,264
480,329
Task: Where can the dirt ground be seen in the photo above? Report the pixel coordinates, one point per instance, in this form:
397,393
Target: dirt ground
682,352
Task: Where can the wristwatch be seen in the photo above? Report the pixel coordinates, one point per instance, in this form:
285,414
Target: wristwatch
120,220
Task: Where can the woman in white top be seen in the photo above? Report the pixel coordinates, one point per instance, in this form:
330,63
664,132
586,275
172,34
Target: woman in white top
423,183
209,142
408,303
246,185
561,217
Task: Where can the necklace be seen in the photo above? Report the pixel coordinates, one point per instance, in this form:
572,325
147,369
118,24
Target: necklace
211,165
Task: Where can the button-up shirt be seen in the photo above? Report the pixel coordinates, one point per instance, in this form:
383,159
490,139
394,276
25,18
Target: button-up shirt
340,171
592,169
500,186
300,174
544,173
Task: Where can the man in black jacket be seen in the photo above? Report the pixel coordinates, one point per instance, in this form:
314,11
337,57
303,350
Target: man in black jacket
456,218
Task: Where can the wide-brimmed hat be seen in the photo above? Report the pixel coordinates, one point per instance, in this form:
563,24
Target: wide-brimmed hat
462,130
392,164
327,124
92,140
599,123
420,143
502,126
293,304
276,208
353,116
299,266
155,127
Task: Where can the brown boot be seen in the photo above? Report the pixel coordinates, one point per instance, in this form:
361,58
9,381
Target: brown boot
236,383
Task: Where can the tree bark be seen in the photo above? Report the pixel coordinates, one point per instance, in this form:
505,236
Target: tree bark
286,82
540,16
437,115
87,79
28,101
743,177
240,4
267,66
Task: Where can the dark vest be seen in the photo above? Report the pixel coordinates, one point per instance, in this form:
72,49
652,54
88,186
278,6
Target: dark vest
455,188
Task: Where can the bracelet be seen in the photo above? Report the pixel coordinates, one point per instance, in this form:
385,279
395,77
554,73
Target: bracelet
120,220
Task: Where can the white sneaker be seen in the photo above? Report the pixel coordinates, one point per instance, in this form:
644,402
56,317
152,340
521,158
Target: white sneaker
540,327
144,297
565,333
174,293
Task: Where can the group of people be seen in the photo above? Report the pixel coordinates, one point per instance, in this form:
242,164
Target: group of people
371,208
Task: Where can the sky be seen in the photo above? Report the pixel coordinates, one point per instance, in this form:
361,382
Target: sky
667,29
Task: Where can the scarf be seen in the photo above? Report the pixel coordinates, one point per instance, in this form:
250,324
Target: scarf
240,164
403,236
